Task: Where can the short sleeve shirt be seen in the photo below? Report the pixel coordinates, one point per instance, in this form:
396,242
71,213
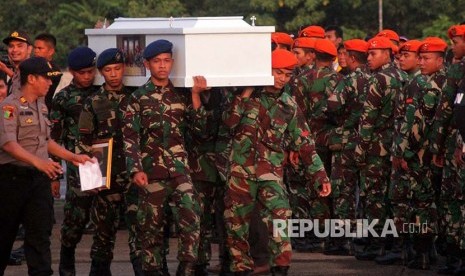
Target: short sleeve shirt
25,123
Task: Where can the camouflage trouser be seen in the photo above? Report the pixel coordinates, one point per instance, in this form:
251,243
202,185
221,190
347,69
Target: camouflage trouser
451,200
344,180
105,215
453,187
76,210
374,182
131,199
183,199
412,198
206,191
240,199
299,197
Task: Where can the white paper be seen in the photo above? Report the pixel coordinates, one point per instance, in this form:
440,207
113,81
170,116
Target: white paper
91,175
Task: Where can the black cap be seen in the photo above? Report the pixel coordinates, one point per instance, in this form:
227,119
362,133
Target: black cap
37,66
17,35
158,47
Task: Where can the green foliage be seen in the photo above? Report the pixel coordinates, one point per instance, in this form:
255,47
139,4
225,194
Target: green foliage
67,20
437,27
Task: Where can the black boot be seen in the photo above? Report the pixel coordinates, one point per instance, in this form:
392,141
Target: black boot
279,270
14,261
201,270
452,261
461,268
185,269
67,267
100,268
340,247
393,256
19,253
137,266
164,266
422,246
153,273
373,249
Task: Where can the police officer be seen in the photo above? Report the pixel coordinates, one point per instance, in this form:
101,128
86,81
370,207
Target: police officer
19,48
26,169
155,120
101,118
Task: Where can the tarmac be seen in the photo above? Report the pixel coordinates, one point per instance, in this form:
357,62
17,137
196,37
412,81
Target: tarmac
302,263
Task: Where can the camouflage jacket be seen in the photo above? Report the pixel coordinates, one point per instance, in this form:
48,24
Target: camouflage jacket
260,125
65,112
347,100
421,98
102,118
201,147
154,127
399,107
315,88
377,120
443,119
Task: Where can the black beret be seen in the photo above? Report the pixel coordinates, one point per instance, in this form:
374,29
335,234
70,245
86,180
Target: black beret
81,57
17,35
37,66
110,56
158,47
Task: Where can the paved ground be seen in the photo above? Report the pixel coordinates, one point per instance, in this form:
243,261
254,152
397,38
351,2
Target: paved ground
303,263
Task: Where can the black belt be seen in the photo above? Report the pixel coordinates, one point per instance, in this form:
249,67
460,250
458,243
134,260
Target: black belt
18,169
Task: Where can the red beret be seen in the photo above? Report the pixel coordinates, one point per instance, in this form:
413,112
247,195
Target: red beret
379,42
411,46
283,59
281,38
358,45
313,31
389,34
304,42
325,46
433,44
456,30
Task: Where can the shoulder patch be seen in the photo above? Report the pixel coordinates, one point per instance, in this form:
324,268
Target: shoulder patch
8,111
409,101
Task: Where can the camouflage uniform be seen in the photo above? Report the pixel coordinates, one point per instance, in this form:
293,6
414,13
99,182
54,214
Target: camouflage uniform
202,155
443,143
261,125
375,139
313,89
412,195
154,126
101,118
348,98
66,108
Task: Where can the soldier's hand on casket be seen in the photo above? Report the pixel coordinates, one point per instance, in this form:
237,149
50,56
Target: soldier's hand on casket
200,84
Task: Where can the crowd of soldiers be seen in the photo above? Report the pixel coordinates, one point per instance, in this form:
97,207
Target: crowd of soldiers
355,129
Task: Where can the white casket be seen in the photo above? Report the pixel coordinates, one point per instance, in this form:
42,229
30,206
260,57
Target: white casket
226,50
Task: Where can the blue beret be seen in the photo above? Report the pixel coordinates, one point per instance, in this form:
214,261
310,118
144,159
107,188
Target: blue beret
158,47
110,56
81,57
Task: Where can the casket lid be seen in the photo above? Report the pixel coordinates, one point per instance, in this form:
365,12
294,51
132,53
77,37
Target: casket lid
180,25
